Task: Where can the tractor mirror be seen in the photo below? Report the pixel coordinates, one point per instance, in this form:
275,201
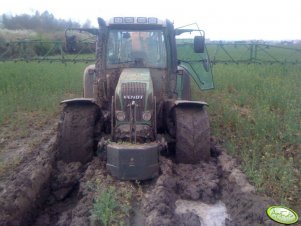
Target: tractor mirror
199,44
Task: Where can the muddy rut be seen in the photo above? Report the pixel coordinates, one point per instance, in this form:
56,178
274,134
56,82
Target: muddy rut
43,191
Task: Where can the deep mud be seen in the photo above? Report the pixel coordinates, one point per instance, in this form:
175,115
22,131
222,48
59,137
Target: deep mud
46,192
27,187
184,192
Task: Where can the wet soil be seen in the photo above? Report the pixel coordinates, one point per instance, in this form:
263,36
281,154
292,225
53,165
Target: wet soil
191,194
26,189
43,191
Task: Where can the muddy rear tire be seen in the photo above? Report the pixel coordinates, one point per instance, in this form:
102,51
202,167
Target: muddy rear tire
186,87
76,133
88,82
192,135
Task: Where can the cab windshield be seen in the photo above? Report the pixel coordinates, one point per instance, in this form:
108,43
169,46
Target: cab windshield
128,48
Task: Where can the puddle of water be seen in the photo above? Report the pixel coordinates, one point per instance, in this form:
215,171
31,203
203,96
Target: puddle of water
210,215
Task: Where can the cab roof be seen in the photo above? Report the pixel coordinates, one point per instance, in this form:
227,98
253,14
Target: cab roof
144,21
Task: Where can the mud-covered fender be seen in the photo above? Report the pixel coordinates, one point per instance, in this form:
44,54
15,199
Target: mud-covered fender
169,107
90,103
79,101
171,104
189,103
83,101
88,81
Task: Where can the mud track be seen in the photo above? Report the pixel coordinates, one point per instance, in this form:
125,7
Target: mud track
45,192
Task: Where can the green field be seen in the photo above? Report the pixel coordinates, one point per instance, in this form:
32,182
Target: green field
36,87
254,110
30,94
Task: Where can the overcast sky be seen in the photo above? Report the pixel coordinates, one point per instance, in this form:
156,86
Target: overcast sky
221,19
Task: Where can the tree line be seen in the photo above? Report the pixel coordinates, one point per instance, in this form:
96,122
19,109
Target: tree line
40,22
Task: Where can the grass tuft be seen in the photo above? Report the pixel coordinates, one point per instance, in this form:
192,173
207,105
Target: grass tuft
112,205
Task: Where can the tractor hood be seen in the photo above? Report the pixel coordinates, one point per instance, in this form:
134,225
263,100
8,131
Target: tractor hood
129,75
135,86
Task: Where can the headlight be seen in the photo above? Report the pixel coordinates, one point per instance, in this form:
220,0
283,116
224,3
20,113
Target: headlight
147,115
120,115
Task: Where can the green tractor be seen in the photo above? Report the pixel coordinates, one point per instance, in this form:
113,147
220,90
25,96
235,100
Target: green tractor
137,99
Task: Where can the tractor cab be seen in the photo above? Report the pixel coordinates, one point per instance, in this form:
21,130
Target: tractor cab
130,48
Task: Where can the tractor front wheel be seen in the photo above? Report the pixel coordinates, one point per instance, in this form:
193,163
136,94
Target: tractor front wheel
192,135
76,133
